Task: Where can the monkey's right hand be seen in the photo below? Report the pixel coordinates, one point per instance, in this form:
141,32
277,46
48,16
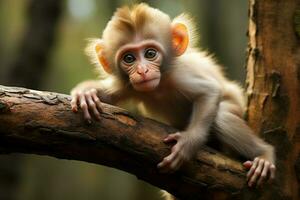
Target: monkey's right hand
88,101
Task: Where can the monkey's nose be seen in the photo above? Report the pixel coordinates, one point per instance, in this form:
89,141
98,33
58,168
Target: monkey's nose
142,71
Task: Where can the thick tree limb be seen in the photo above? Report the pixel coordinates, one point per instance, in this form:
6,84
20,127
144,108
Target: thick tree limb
43,123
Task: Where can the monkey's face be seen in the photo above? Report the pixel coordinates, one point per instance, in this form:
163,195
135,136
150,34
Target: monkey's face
142,61
137,42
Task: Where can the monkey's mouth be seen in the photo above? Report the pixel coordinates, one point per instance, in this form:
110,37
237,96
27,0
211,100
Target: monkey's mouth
147,81
147,84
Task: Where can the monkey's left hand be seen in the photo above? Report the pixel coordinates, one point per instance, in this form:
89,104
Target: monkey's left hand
182,151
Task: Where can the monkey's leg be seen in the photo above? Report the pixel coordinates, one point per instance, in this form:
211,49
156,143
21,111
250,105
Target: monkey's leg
233,131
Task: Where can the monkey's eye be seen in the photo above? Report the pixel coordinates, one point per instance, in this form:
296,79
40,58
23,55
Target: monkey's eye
129,58
150,53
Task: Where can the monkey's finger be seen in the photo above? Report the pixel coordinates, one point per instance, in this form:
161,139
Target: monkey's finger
92,106
97,102
252,169
264,173
74,102
272,172
257,172
170,168
163,167
176,164
166,162
85,110
248,164
172,137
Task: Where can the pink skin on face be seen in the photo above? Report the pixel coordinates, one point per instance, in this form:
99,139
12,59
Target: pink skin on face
142,62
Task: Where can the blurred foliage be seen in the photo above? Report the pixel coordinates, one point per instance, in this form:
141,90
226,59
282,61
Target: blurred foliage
222,27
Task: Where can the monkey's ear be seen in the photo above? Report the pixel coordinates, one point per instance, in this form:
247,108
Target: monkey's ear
180,38
99,47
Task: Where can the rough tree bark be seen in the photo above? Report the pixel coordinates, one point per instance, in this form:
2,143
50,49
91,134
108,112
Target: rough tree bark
43,123
274,88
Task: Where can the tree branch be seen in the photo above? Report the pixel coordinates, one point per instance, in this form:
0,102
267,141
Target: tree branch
43,123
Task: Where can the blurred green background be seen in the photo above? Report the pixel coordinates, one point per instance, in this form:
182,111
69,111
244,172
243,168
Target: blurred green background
41,47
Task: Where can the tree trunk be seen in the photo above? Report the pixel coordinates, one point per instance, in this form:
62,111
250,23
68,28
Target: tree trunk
43,123
30,64
273,81
28,69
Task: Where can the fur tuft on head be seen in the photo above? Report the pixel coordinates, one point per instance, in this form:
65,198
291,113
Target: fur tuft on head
129,24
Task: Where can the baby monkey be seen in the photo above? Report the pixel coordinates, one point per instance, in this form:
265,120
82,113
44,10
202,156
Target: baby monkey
147,57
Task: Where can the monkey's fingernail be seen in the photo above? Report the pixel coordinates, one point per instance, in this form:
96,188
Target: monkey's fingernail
89,121
160,165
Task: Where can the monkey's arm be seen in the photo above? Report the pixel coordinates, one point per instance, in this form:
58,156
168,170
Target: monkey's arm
205,94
